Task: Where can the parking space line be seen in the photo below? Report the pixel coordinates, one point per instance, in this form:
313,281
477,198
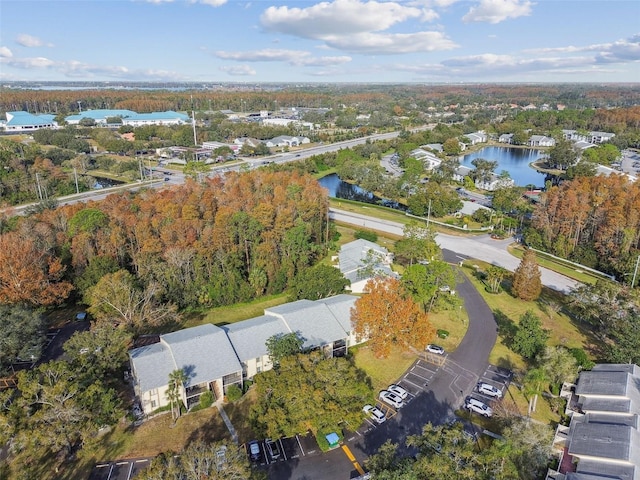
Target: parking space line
130,470
414,373
110,472
284,454
300,445
352,459
409,381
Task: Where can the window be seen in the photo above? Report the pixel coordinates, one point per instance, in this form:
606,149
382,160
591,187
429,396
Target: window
153,404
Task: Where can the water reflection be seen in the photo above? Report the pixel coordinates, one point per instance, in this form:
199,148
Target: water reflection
347,191
514,160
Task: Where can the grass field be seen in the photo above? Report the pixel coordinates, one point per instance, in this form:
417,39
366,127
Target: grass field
557,266
234,313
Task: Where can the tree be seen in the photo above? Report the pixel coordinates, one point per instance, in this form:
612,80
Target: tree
282,345
562,155
484,169
309,392
177,379
581,169
196,169
559,365
213,461
30,273
389,318
506,199
530,447
530,338
21,335
320,281
425,283
495,275
118,298
101,351
418,243
451,146
58,407
527,283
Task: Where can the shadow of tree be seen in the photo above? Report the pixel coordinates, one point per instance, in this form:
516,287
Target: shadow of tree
507,328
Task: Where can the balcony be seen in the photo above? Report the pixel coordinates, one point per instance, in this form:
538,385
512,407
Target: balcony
196,390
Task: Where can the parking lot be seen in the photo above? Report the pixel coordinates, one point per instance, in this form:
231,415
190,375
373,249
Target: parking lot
121,470
497,377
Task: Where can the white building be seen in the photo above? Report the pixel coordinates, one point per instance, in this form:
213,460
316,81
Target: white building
26,122
214,358
361,260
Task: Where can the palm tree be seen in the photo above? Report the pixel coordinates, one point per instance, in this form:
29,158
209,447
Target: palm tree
174,392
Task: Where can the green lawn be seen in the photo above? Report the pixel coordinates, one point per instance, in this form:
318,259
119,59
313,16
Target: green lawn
234,313
557,266
382,371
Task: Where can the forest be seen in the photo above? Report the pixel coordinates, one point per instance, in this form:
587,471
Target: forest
201,244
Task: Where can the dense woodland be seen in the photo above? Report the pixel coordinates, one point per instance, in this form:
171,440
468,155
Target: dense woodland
207,244
591,220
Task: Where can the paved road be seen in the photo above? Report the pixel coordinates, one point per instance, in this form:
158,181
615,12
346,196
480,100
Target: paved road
481,247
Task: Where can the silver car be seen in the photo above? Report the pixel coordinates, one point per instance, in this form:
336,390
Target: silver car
489,390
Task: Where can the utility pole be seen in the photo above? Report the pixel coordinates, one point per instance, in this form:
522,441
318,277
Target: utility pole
429,213
75,174
140,165
635,272
39,189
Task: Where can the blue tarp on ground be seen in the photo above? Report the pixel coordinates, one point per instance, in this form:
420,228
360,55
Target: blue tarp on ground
333,439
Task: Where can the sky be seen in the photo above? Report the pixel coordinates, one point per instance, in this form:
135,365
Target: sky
309,41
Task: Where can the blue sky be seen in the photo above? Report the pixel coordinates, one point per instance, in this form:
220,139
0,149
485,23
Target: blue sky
320,41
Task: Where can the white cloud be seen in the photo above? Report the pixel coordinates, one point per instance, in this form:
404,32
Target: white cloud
27,40
238,70
390,44
341,17
623,50
357,27
496,11
292,57
76,69
5,52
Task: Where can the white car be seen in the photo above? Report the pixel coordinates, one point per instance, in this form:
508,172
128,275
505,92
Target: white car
489,390
398,390
391,398
435,349
474,405
375,413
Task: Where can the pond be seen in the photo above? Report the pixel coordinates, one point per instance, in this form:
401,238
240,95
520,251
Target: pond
338,188
103,182
514,160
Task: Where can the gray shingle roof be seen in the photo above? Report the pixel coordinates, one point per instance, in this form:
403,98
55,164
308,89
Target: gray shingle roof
590,470
601,436
602,383
152,365
351,258
204,353
340,306
250,336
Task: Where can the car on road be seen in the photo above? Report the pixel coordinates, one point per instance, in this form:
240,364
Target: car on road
475,405
437,349
391,398
398,390
489,390
273,449
375,413
254,450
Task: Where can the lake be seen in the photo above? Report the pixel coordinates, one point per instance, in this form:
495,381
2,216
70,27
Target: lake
514,160
338,188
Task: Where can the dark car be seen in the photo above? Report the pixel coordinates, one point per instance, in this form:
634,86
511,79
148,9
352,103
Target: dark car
254,450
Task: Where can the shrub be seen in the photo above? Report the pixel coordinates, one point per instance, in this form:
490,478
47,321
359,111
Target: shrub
234,393
206,399
442,333
366,235
582,359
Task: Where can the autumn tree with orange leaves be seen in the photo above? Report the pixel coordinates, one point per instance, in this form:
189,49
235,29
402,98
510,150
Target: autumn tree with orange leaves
29,274
389,318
